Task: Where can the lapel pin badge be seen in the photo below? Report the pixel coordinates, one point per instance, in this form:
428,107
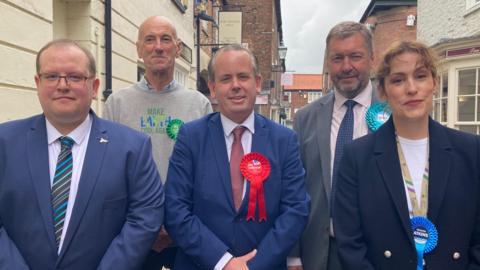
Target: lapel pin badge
103,140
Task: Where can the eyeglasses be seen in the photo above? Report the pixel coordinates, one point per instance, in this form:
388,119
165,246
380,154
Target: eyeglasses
53,79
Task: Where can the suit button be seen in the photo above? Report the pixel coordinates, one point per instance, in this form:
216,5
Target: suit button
456,255
387,254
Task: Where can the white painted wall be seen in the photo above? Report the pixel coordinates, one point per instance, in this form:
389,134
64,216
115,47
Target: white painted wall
26,25
446,19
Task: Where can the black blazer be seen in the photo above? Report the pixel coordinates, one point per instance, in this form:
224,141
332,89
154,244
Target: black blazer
371,218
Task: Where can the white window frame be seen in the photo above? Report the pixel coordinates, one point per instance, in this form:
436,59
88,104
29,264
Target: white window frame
288,114
313,95
439,98
475,124
289,95
180,75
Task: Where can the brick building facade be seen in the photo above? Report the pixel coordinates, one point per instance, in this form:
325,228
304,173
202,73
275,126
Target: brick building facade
305,89
262,33
390,21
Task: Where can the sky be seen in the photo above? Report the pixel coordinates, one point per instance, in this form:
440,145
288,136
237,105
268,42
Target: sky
305,25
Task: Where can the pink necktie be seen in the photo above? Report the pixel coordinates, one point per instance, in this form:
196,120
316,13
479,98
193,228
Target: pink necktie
235,158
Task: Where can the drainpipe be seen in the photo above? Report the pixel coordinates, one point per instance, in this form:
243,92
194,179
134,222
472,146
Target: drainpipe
97,56
108,49
197,19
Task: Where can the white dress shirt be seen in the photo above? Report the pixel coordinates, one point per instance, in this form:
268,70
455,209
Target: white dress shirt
360,128
80,135
228,127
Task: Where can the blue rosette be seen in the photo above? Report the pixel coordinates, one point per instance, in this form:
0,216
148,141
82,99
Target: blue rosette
377,114
425,236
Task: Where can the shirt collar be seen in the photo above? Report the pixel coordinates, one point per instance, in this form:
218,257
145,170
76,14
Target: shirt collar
364,98
78,134
228,125
146,86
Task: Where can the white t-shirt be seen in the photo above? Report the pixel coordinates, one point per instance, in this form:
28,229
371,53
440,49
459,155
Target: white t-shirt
415,153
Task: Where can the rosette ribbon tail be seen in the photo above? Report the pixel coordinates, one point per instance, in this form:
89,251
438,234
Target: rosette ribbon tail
261,205
420,251
252,202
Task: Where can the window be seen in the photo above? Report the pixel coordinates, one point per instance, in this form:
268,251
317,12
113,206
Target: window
312,96
287,112
440,100
186,53
288,95
468,110
180,76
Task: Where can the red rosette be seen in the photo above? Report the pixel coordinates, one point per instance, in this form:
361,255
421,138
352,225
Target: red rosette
256,169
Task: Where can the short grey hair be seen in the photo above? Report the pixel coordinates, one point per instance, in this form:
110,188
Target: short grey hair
347,29
231,47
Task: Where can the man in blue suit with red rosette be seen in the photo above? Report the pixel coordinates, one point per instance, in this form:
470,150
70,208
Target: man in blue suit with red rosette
235,193
76,192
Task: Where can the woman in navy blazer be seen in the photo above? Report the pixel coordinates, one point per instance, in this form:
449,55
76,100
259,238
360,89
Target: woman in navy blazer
377,197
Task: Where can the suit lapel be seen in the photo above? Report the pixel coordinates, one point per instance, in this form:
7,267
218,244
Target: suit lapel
324,124
91,167
37,155
260,138
440,162
217,141
386,156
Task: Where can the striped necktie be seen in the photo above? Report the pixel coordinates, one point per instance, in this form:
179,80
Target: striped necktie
61,185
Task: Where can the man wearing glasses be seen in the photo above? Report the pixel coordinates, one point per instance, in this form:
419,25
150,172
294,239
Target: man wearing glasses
76,191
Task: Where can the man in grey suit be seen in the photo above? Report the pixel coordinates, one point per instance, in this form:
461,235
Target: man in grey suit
349,61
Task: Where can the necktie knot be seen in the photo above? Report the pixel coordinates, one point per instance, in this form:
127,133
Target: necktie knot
238,132
350,103
66,142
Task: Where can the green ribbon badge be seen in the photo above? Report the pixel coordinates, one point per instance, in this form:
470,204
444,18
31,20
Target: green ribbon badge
173,128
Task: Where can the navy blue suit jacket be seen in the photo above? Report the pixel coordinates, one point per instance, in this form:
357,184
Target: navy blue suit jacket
118,208
200,213
371,213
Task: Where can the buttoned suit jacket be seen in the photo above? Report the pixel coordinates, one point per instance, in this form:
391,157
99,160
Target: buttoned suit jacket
118,209
313,126
371,217
200,213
